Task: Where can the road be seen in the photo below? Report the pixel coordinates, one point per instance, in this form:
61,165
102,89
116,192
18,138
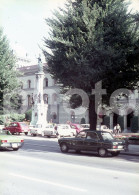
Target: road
39,168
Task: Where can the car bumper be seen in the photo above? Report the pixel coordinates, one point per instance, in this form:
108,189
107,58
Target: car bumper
115,150
11,145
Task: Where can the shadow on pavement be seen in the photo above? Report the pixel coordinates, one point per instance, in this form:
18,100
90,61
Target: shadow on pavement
50,145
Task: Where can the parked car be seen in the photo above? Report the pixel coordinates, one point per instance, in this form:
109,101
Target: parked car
98,141
85,126
36,130
65,130
8,141
104,128
17,127
50,131
78,127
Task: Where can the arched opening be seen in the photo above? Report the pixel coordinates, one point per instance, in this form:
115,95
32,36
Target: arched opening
46,82
29,84
45,98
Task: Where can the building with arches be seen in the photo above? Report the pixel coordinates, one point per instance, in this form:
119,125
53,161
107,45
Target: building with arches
52,96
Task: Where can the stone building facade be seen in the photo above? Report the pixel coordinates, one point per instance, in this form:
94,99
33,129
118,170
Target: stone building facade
52,96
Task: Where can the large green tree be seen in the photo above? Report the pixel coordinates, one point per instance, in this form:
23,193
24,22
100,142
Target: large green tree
8,75
93,40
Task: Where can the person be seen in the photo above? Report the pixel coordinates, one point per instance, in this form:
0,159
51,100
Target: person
117,129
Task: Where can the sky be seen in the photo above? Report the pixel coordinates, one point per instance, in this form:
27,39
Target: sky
23,22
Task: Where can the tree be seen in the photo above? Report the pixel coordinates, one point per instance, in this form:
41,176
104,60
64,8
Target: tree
93,40
8,75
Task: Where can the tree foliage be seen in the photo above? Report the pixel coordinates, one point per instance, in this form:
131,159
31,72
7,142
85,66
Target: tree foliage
93,40
8,74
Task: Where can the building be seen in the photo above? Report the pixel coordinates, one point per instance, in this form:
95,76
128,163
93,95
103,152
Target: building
52,96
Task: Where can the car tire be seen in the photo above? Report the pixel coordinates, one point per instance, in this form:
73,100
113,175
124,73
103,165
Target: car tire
26,133
15,149
78,151
64,147
34,134
102,152
115,153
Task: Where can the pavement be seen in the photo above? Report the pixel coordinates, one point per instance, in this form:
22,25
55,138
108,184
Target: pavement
132,150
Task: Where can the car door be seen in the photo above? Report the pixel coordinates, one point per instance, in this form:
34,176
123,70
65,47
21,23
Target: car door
78,142
91,141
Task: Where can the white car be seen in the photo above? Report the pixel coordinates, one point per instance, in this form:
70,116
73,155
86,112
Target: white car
36,130
85,126
49,130
64,130
104,128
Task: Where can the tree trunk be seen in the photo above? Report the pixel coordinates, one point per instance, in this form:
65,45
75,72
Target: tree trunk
92,114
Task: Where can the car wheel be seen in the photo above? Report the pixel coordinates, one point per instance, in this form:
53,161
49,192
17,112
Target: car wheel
64,147
34,134
26,133
15,149
102,152
78,151
115,153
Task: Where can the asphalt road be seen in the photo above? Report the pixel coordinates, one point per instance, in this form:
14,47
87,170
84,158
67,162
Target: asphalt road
39,168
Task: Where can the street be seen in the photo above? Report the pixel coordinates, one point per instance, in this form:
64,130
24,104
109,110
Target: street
39,168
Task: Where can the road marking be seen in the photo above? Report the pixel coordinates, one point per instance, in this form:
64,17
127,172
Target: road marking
48,182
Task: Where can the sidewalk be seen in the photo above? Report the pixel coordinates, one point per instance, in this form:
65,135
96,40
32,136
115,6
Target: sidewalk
133,150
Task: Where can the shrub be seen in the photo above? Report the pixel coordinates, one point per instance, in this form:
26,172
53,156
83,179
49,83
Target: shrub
28,115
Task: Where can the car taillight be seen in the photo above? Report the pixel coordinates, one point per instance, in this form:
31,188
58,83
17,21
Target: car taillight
22,140
115,147
3,141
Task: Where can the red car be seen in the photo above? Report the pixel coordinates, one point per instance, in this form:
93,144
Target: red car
78,127
17,127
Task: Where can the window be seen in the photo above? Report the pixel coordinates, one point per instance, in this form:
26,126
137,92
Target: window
29,100
92,135
82,134
29,84
46,82
45,98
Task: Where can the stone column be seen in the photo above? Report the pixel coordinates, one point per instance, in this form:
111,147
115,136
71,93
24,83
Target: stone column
111,120
125,123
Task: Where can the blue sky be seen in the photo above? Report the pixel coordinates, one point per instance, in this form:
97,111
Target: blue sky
24,25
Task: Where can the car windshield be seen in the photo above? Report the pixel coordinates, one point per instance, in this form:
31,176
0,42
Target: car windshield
107,136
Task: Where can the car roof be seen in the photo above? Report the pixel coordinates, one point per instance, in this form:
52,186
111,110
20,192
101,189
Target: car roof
96,131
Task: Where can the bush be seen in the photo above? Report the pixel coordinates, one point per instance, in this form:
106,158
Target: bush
6,119
28,115
134,124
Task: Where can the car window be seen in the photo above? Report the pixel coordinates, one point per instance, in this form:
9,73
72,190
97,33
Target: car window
82,134
13,125
107,136
92,135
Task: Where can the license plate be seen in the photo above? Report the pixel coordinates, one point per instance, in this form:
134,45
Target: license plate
15,145
120,147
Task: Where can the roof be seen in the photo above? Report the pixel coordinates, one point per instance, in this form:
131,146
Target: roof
30,70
